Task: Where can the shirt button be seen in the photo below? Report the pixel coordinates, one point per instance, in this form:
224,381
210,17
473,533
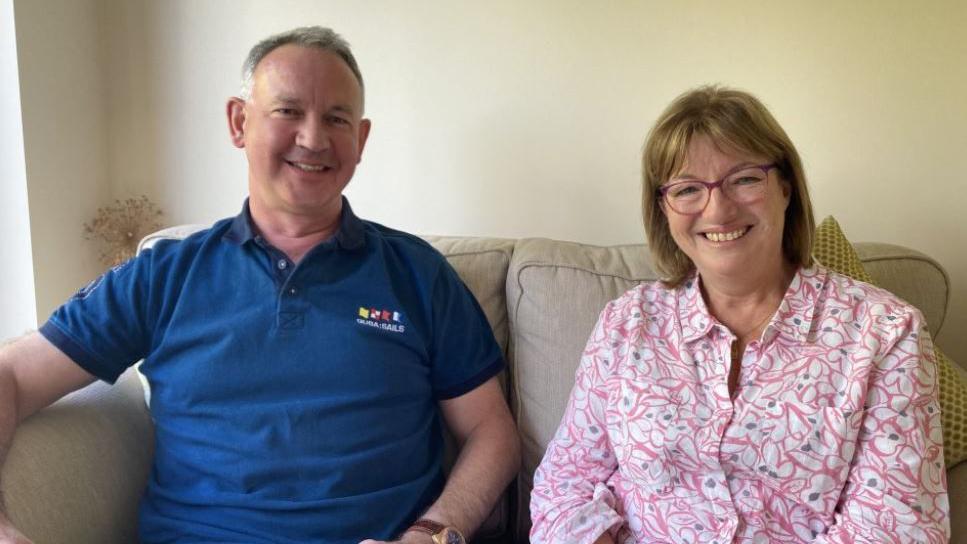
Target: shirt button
293,291
282,264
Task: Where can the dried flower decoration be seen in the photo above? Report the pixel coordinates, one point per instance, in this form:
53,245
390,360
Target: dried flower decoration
120,227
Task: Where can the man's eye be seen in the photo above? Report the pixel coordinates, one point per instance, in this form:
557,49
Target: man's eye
286,111
336,120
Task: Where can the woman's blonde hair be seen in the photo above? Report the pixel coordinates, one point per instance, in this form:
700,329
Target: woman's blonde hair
735,121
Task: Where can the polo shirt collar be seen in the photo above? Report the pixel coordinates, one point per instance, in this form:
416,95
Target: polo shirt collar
794,316
351,233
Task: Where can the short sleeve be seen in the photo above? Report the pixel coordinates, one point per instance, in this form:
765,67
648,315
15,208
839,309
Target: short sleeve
463,351
103,327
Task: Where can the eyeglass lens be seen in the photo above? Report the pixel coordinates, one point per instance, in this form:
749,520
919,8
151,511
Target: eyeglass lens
743,186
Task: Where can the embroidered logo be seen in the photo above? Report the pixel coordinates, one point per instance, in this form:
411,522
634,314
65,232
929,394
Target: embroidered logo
386,320
85,291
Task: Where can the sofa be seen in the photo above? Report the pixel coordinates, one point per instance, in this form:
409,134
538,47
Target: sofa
75,471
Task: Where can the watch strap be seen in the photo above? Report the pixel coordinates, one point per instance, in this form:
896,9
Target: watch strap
427,526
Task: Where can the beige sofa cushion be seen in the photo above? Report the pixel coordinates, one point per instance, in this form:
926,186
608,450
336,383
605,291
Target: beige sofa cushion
912,276
555,291
75,471
482,265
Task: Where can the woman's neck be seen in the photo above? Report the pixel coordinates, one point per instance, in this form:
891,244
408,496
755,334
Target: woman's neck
744,305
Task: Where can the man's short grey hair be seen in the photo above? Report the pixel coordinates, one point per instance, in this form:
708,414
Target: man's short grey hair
321,38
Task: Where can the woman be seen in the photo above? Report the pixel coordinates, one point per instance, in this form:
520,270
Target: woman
751,396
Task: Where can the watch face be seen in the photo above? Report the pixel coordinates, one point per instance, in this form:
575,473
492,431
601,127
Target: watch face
448,536
452,537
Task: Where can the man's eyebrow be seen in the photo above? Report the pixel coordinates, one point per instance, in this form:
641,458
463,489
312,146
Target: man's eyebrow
342,109
287,100
283,100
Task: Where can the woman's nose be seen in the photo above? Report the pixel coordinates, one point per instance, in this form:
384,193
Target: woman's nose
719,204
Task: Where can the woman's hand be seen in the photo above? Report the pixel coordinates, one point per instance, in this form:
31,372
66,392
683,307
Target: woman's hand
9,534
604,539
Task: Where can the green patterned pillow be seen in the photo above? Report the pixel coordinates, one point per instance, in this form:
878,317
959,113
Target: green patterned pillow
833,250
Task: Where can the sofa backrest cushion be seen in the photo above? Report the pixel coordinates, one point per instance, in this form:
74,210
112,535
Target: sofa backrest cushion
482,264
555,292
912,276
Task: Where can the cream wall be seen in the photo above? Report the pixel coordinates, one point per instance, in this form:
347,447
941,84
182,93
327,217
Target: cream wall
516,119
17,288
61,89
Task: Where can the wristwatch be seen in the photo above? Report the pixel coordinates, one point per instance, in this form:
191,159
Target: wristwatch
440,533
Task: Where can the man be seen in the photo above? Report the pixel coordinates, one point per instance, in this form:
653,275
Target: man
299,358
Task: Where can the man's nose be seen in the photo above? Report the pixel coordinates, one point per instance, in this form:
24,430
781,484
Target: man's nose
313,135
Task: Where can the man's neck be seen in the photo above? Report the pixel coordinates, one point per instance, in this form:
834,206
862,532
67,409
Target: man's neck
295,235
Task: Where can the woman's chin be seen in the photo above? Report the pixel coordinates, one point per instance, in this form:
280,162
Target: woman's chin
738,265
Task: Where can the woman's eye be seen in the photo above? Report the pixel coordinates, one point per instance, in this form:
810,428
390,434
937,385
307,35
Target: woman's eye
685,190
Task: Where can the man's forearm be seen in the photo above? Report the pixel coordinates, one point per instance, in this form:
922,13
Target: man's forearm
488,461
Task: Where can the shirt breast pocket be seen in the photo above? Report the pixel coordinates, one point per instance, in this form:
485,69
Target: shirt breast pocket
801,451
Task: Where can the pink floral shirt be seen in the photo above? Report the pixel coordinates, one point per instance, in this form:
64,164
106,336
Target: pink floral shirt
834,435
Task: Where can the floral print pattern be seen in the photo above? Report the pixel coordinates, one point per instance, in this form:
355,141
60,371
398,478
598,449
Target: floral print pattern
833,435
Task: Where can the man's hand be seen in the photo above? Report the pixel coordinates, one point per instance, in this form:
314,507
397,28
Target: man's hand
409,537
9,534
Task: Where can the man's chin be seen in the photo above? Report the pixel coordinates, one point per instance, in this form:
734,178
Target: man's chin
315,206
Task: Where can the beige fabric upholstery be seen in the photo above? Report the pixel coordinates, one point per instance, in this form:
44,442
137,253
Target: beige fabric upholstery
76,470
957,489
957,484
912,276
555,292
482,265
171,233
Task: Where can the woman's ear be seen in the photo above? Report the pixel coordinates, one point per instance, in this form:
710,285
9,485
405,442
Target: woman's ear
786,190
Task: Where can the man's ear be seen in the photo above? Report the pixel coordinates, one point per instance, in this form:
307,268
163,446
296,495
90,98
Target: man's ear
235,110
364,126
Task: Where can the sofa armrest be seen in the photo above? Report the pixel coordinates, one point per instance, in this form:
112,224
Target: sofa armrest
957,491
76,470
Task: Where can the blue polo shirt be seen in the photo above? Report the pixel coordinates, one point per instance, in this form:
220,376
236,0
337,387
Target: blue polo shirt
292,403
